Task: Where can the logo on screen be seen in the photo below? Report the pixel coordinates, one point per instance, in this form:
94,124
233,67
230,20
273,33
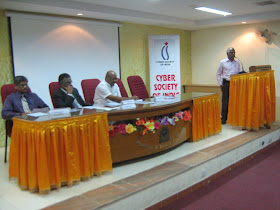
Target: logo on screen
164,51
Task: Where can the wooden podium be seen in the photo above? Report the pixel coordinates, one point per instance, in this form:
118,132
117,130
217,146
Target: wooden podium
259,68
252,100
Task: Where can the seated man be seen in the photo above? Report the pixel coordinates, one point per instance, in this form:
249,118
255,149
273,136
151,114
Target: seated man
107,90
67,95
21,101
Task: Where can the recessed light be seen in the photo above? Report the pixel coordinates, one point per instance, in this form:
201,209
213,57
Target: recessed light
243,22
219,12
80,14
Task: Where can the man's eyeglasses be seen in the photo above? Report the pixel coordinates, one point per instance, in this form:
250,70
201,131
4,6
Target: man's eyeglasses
22,85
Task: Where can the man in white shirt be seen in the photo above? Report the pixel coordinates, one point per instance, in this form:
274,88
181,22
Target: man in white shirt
108,91
227,67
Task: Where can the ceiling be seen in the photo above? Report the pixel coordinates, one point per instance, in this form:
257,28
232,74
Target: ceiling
167,13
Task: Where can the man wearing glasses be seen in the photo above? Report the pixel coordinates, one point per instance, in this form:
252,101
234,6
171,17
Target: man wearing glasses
22,101
108,91
227,67
67,95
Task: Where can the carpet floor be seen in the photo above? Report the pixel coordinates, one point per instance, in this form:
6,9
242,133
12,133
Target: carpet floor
252,185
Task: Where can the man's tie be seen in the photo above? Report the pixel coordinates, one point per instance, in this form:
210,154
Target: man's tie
25,104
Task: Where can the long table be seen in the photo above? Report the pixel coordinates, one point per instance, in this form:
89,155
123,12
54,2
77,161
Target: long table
52,151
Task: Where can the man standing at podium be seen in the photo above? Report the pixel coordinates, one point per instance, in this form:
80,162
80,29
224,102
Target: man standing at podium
227,67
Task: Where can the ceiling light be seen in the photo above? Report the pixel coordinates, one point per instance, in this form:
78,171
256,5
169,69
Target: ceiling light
243,22
219,12
80,14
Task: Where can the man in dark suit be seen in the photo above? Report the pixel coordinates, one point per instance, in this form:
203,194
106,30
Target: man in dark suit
67,95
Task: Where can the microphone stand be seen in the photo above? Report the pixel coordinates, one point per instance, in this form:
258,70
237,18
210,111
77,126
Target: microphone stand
242,72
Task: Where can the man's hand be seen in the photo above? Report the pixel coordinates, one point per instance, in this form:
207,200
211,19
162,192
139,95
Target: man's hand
69,89
134,97
24,113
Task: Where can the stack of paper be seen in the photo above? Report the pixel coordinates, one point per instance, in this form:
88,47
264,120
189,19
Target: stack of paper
128,104
60,110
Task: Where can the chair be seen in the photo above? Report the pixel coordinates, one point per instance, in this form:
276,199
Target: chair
53,86
137,87
5,91
122,88
89,86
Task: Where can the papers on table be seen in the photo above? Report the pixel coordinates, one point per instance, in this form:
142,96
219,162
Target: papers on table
45,109
60,110
128,104
163,98
140,101
60,115
112,104
37,114
100,108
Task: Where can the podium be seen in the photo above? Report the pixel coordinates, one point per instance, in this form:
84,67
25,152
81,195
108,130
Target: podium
252,100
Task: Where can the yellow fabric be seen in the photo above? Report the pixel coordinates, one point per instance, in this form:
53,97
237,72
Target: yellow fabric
252,100
206,117
50,154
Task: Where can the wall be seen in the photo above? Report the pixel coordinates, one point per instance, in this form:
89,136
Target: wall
209,47
6,72
133,54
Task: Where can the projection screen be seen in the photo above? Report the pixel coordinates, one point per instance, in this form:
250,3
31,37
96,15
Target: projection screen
44,47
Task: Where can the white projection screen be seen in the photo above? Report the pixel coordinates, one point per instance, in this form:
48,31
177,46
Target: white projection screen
44,47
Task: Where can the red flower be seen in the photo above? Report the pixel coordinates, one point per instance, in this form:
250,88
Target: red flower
116,129
157,125
140,121
187,115
112,133
122,128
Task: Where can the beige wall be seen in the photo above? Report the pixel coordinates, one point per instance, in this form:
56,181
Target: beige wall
133,53
209,47
6,72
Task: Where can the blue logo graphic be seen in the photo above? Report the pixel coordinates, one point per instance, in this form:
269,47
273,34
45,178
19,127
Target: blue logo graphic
166,52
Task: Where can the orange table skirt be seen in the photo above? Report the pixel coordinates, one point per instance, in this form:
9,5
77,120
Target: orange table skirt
252,100
47,155
206,119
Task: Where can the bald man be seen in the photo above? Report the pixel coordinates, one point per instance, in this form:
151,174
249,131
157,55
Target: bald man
108,91
227,67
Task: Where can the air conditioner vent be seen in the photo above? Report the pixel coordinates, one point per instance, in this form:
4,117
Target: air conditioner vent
265,3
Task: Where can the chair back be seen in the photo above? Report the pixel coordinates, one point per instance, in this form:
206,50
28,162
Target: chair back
53,86
137,87
89,86
122,88
7,90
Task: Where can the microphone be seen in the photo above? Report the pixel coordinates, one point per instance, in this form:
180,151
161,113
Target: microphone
242,72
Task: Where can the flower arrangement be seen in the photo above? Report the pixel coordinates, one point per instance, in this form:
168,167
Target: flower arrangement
149,124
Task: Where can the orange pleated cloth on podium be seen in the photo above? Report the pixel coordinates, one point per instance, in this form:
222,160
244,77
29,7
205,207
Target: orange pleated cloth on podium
252,100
